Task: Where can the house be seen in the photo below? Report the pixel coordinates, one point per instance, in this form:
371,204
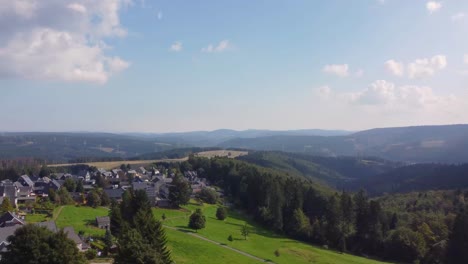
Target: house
25,181
115,194
142,170
9,191
50,225
10,219
103,222
24,194
5,232
116,172
74,237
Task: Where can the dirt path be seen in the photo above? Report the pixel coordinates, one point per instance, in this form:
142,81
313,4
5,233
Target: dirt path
58,213
219,244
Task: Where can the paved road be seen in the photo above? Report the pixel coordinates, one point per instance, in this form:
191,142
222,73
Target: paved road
219,244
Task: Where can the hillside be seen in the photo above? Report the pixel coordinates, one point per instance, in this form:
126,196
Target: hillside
444,144
335,172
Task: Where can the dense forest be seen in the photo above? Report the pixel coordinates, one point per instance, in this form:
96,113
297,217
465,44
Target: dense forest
344,221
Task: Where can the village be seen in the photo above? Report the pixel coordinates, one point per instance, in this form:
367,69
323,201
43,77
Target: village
27,194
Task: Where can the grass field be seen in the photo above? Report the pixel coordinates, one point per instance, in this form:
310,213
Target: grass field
222,153
188,249
261,243
81,219
108,165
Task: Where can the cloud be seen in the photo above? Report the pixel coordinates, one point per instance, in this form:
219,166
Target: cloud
395,68
417,69
176,46
341,70
433,6
421,68
384,93
359,73
159,15
77,7
60,41
458,16
221,47
324,91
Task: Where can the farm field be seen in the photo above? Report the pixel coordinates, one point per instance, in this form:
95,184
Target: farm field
221,153
108,165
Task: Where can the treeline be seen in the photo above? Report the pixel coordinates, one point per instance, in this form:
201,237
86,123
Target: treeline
292,205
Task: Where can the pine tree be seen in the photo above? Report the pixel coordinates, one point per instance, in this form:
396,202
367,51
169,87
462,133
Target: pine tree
221,213
115,219
245,231
108,242
457,252
6,205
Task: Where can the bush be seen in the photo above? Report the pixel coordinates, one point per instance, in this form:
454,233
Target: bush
91,254
277,253
221,213
230,238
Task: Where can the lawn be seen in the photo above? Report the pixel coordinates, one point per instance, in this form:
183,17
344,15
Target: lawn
81,218
34,218
261,242
188,249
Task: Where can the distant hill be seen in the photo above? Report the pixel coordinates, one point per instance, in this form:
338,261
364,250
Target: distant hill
62,147
335,172
415,178
444,144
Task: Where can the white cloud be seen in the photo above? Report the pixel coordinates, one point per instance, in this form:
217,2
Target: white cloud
77,7
458,16
324,91
176,46
359,73
159,15
55,40
395,68
433,6
465,58
421,68
341,70
222,46
387,94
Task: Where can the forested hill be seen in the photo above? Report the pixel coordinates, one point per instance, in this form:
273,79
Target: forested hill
419,177
424,144
336,172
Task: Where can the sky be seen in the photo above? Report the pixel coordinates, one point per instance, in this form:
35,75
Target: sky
165,66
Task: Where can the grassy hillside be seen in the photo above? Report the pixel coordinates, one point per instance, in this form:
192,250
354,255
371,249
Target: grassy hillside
189,249
260,243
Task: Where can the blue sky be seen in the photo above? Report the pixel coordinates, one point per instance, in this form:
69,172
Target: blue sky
158,66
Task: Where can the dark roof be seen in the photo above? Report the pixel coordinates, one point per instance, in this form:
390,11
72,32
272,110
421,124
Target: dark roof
5,232
82,173
8,191
9,219
50,225
139,185
72,235
102,220
55,184
114,193
26,180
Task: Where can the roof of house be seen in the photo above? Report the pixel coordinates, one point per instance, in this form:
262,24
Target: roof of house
114,193
8,191
139,185
50,225
5,232
103,220
9,219
72,235
27,180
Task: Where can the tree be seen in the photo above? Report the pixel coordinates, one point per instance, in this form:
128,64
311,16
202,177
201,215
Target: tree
69,184
197,220
163,216
33,244
115,219
403,244
230,239
221,213
299,225
79,186
208,195
245,231
45,171
180,191
108,242
6,205
105,200
132,248
458,241
93,199
64,196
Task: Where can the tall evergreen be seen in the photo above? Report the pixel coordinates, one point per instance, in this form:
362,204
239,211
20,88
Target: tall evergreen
457,251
